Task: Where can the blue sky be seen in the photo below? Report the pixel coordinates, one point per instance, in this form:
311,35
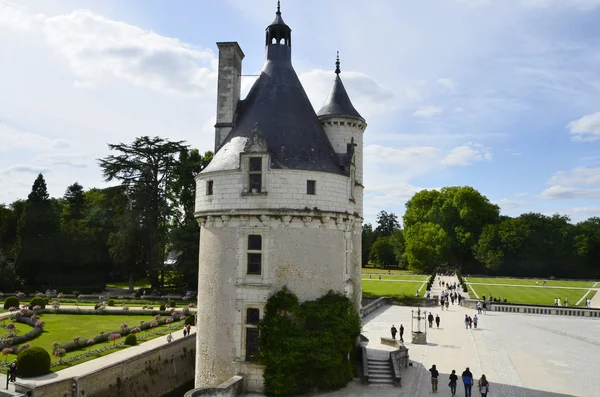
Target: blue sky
500,95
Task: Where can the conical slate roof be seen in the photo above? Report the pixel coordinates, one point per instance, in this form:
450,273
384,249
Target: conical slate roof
338,102
279,105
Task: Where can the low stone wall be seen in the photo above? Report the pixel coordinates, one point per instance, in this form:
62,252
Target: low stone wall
154,372
573,311
376,304
231,388
8,393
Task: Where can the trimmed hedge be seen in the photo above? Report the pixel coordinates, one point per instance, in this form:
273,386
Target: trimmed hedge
172,303
38,301
111,302
163,308
19,339
131,340
32,362
190,320
11,301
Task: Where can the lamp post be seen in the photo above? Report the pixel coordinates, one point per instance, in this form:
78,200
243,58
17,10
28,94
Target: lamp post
418,337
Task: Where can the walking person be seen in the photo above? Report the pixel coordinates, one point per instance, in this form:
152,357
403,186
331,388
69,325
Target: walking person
394,331
184,332
484,306
453,381
169,338
430,319
466,321
437,320
434,378
447,304
475,321
12,372
470,322
401,333
467,378
566,301
484,386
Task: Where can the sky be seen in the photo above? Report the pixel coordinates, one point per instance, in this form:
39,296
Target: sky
503,95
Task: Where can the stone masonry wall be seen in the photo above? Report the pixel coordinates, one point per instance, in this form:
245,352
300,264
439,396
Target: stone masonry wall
153,372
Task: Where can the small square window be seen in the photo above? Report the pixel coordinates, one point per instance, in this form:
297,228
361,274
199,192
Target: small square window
254,242
311,187
254,263
252,316
255,164
209,188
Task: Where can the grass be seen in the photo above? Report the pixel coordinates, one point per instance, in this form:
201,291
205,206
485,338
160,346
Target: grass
143,283
118,302
528,295
378,270
63,328
520,281
395,277
387,288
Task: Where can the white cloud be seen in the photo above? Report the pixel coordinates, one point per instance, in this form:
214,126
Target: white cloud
23,169
507,204
467,154
427,111
408,155
586,128
447,83
521,194
568,192
366,94
579,176
12,139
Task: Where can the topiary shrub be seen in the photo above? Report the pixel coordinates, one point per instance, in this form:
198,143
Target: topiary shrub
37,301
172,303
32,362
163,308
189,320
111,302
131,340
309,345
11,301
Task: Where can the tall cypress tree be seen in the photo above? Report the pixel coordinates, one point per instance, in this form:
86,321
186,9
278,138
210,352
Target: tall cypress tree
38,230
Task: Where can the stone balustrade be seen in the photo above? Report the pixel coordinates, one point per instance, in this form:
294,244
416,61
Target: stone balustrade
574,311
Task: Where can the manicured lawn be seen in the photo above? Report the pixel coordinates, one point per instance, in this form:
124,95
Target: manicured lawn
63,328
377,270
404,277
532,295
386,288
520,281
143,283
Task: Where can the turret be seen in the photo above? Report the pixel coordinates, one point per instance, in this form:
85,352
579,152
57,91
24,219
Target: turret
278,41
344,127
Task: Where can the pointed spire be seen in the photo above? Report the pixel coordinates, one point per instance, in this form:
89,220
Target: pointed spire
337,64
338,103
278,8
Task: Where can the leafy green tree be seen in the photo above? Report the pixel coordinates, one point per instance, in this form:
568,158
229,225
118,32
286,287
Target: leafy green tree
8,275
9,221
185,233
386,224
382,252
146,167
427,246
587,244
399,247
368,238
37,249
461,211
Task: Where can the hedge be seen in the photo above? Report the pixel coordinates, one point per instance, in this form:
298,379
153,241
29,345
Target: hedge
32,362
11,301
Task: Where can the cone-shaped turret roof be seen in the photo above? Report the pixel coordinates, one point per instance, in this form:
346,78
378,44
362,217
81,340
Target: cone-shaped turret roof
338,102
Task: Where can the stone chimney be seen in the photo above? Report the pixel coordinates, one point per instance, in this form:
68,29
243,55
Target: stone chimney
228,88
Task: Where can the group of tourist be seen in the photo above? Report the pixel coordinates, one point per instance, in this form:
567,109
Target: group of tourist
588,303
497,300
467,378
431,319
395,331
566,302
449,297
471,321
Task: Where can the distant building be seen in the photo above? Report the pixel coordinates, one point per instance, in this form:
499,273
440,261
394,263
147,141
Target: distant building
281,204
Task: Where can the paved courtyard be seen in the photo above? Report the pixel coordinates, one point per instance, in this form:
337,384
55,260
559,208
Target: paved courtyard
521,355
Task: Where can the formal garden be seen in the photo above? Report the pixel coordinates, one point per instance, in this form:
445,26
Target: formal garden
72,335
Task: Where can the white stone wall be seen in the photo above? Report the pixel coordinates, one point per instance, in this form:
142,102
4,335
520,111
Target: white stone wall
309,254
284,189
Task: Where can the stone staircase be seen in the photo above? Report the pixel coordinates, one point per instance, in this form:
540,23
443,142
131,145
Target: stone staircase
380,372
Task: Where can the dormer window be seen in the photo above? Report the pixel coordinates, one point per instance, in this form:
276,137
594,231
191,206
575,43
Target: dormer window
255,175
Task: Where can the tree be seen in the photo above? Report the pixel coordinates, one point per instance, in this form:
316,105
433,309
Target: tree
146,168
9,221
399,247
386,224
461,211
37,250
382,252
368,238
427,246
75,203
185,232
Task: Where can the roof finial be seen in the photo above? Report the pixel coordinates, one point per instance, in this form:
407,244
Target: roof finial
337,64
278,7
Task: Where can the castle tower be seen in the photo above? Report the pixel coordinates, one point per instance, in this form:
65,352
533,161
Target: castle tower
276,207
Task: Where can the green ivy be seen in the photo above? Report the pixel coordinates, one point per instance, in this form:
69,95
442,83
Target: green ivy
307,346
